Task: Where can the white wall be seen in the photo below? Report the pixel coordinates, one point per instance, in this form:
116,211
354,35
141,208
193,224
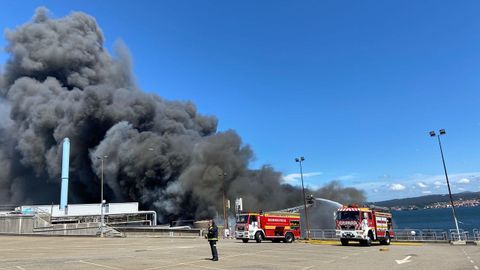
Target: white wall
81,209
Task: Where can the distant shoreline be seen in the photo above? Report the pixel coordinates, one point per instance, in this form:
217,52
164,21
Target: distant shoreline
460,200
428,208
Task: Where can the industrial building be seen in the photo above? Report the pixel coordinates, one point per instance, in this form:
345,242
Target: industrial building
74,219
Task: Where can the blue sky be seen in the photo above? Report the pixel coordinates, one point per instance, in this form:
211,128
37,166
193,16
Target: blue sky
354,86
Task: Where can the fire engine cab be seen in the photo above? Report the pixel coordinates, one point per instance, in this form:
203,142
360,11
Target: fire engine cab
364,225
274,226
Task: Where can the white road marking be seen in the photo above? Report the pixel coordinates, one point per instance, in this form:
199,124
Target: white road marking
231,256
206,267
280,256
468,257
309,267
282,265
21,268
100,265
405,260
173,265
270,256
333,255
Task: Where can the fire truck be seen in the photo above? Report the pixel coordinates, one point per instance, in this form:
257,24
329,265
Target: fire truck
274,226
364,224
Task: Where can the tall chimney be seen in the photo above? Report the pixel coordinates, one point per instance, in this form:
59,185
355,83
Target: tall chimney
65,165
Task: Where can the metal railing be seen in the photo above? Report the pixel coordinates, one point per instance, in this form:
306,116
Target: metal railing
323,234
476,235
420,235
411,234
464,235
42,219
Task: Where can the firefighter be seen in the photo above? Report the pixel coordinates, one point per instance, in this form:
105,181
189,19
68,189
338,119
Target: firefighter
212,237
365,224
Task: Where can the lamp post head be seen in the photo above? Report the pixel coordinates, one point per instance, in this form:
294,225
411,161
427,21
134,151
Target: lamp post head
442,132
432,134
299,159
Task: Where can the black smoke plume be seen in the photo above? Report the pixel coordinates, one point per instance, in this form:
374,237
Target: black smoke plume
61,82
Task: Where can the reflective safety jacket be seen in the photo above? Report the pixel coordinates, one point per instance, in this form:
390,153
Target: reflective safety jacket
212,234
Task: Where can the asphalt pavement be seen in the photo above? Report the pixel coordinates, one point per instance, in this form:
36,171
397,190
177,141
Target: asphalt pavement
28,253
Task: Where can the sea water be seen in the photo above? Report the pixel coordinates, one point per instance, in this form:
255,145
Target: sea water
468,219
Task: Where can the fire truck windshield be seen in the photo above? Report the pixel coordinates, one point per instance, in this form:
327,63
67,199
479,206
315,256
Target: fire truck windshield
242,218
348,215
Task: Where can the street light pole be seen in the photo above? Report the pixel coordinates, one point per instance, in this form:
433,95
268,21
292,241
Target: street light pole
442,132
225,224
300,160
102,202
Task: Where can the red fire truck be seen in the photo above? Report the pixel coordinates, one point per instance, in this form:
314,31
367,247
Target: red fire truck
364,225
274,226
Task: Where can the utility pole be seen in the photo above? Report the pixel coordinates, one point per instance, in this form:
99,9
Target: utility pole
442,132
102,201
225,223
300,160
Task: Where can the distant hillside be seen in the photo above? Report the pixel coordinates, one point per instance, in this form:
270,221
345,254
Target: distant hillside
428,199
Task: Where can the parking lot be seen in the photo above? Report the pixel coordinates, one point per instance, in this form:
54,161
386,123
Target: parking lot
26,253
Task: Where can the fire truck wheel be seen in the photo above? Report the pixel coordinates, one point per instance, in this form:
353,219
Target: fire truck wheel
344,242
245,240
289,238
371,238
386,240
258,237
368,242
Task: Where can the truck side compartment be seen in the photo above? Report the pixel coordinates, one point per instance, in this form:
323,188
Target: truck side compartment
274,226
